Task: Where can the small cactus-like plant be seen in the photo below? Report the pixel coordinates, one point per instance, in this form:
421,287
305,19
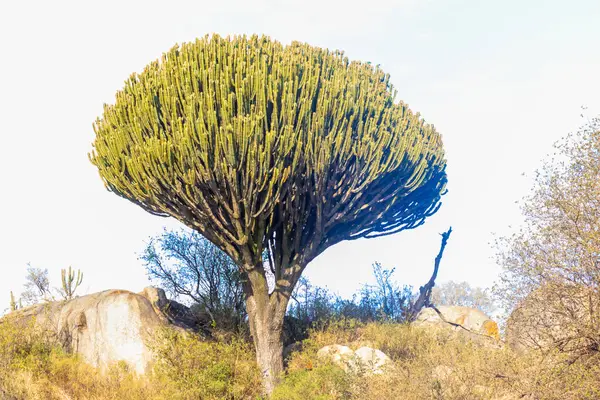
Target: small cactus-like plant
13,302
70,282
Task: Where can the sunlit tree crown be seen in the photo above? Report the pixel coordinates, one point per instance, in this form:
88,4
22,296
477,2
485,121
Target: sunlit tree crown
259,145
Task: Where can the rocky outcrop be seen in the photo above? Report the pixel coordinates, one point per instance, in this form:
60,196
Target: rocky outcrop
468,322
364,360
562,317
175,313
110,326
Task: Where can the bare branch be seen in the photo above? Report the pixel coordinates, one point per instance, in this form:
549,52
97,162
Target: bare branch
424,299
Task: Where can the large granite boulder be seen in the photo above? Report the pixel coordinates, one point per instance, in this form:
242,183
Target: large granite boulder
372,360
338,354
469,322
109,326
365,360
562,317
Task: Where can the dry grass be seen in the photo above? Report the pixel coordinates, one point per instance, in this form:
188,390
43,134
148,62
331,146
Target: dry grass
426,365
33,366
435,365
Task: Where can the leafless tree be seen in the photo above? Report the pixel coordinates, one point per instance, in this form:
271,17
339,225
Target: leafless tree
462,294
425,291
37,286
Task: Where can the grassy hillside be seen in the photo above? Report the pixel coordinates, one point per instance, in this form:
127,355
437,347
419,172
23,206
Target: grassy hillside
426,365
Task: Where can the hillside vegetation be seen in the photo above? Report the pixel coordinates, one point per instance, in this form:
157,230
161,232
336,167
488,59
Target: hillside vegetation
426,365
549,284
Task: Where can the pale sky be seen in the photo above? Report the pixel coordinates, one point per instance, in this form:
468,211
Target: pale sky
501,80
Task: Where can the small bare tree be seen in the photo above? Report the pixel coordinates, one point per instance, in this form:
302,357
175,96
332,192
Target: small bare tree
425,291
462,294
37,286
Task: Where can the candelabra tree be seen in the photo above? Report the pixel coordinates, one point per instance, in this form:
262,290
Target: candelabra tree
268,148
13,302
70,282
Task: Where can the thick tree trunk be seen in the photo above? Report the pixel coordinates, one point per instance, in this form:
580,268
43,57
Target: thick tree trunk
265,316
266,328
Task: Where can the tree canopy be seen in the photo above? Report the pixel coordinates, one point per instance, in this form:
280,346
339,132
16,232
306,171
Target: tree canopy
551,274
254,143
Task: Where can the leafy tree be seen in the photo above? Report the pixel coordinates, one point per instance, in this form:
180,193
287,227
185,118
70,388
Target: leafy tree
189,266
37,286
264,147
384,301
556,254
462,294
394,301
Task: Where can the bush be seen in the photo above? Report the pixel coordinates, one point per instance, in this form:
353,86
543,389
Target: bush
34,366
426,365
191,368
434,365
386,301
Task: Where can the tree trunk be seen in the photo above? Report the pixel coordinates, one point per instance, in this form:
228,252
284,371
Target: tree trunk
265,316
424,299
266,328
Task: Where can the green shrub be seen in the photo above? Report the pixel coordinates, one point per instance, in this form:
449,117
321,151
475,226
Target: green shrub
34,366
325,382
197,369
426,365
434,365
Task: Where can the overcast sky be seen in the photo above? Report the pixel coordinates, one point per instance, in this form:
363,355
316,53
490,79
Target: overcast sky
501,80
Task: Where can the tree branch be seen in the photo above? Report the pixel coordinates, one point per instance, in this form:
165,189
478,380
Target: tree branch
424,299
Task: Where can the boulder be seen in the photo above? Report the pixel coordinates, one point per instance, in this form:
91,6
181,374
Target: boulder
372,360
340,355
176,313
364,360
156,297
106,327
468,322
556,316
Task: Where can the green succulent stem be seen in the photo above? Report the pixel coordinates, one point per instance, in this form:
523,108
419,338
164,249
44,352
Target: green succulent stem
70,282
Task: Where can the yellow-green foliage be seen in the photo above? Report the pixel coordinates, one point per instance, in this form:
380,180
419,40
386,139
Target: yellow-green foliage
34,367
191,368
434,365
324,382
223,132
426,366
